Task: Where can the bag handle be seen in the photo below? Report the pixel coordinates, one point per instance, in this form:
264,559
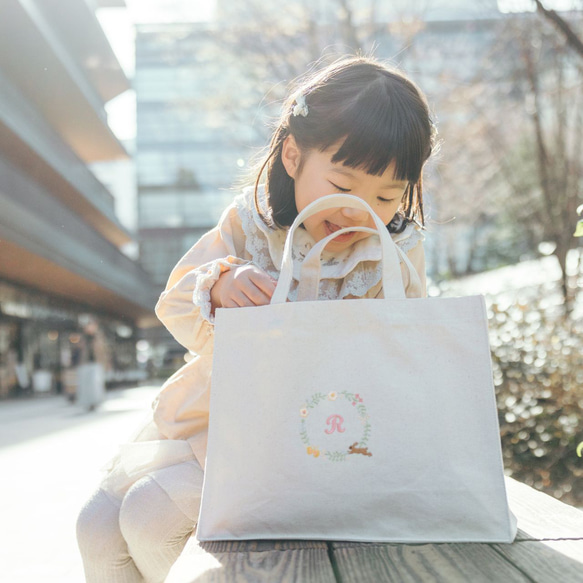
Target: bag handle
311,267
392,281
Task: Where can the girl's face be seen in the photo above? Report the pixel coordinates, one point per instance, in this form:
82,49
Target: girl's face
315,176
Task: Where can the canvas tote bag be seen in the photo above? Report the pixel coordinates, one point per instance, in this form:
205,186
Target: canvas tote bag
362,420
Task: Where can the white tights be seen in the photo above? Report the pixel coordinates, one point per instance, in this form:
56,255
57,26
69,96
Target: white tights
138,539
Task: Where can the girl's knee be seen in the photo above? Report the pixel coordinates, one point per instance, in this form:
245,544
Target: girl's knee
149,518
98,531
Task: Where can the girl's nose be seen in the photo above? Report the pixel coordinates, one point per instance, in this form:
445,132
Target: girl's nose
356,215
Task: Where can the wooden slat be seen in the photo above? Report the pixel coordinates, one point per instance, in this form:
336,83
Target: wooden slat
541,516
233,546
253,561
438,563
559,561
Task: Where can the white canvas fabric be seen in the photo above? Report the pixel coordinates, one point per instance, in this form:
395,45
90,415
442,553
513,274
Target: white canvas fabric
366,420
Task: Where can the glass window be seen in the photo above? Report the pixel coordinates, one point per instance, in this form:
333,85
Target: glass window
160,253
177,209
206,166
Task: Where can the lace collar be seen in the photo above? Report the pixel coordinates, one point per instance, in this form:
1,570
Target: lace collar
358,265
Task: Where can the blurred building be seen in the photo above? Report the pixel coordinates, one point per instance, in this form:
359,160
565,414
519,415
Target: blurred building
187,155
362,12
67,291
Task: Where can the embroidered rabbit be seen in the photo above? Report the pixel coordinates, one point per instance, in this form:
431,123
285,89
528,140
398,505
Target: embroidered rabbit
361,450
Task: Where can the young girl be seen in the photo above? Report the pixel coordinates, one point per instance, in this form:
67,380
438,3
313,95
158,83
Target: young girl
355,127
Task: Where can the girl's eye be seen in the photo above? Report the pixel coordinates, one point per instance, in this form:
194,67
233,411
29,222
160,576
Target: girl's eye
339,187
387,199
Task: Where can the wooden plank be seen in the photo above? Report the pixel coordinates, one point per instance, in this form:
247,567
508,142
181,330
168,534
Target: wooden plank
558,561
438,563
234,546
540,516
252,561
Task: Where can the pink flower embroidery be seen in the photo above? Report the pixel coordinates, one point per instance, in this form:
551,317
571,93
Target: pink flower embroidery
304,412
358,398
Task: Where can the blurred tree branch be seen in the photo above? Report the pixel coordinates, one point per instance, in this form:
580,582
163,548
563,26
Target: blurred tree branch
543,167
572,39
273,48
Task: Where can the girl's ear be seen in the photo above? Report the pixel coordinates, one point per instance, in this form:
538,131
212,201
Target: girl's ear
290,156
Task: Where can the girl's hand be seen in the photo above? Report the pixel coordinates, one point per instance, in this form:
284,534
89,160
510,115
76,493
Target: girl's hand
246,285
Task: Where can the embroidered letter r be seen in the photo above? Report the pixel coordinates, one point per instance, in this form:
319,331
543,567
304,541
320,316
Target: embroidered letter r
335,422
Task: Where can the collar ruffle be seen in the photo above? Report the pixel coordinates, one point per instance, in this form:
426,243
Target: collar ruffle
358,266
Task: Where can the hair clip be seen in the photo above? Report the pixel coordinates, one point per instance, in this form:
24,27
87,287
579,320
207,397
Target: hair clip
300,108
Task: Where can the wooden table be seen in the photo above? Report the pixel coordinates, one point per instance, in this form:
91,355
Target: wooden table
548,548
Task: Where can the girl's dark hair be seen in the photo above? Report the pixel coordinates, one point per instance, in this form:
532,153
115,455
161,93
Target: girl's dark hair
379,114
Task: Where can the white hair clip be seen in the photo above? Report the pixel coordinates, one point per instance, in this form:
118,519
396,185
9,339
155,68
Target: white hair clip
300,108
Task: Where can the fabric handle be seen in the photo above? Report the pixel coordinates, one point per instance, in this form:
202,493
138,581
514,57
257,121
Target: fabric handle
310,271
392,281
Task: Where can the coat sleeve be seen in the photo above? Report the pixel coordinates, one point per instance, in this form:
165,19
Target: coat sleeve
184,306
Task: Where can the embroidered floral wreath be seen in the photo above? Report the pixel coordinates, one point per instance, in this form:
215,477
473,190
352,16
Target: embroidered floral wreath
359,447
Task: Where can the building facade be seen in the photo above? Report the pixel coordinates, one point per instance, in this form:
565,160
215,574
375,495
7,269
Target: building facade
67,291
187,155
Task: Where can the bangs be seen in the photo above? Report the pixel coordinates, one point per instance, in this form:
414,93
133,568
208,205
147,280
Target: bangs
381,126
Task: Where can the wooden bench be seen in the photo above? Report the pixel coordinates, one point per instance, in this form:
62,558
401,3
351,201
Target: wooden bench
548,548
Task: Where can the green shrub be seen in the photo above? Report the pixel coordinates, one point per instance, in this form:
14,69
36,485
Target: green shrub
537,354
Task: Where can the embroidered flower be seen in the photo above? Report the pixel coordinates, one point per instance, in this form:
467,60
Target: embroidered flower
357,397
304,412
332,396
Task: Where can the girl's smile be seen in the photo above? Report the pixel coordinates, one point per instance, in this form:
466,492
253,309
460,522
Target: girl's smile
332,228
315,176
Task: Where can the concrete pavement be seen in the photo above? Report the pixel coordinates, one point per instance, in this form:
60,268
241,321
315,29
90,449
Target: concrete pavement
50,455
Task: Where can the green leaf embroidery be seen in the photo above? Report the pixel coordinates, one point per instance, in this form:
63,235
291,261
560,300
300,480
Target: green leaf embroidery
336,456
